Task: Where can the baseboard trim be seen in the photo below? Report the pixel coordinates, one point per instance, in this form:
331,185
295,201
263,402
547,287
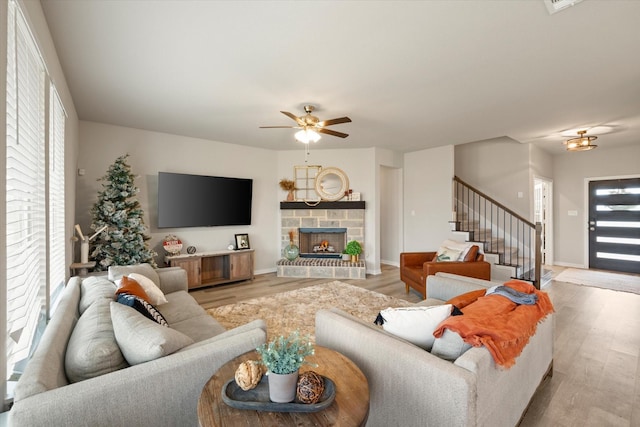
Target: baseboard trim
568,264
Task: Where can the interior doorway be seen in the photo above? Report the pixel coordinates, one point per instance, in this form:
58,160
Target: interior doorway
614,225
390,215
543,213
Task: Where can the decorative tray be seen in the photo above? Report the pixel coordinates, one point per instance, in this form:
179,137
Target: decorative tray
258,398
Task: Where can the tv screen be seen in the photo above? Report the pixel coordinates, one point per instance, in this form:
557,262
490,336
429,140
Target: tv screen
203,201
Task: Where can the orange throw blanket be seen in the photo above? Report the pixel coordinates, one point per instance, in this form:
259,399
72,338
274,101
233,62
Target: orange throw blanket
499,324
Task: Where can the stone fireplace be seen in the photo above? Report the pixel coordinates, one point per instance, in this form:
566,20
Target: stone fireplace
321,231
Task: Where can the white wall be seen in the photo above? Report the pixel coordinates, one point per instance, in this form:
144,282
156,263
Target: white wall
428,200
500,169
571,171
153,152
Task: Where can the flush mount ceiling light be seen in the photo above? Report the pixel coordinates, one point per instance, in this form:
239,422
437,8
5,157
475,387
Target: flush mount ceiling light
581,143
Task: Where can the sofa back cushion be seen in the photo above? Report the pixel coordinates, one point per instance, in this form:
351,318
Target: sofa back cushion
92,350
45,370
93,289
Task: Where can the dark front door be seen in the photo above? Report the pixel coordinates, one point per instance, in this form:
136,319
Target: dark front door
614,225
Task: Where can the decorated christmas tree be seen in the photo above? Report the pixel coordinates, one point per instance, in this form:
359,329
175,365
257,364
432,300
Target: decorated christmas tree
124,242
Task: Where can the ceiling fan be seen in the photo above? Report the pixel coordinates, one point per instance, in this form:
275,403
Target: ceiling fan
310,126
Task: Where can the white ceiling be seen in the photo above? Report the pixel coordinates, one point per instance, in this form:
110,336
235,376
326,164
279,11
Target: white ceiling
410,74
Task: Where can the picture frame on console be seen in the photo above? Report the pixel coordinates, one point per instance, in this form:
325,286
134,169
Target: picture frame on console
242,242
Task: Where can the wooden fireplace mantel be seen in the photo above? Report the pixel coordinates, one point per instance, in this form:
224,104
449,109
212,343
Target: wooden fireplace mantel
323,205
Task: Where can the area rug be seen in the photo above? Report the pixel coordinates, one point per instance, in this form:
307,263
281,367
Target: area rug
296,310
600,279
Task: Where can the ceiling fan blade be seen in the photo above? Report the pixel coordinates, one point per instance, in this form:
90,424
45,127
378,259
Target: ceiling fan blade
293,117
335,121
331,132
277,127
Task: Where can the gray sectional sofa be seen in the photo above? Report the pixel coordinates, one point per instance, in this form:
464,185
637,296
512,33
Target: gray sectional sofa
410,386
80,343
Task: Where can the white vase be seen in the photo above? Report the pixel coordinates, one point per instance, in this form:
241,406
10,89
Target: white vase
282,387
84,250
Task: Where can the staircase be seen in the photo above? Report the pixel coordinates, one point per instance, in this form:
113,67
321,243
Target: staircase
511,243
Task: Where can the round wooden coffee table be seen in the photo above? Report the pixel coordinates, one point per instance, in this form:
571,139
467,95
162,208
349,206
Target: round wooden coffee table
350,407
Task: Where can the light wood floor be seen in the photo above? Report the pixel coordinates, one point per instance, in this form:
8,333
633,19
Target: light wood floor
596,356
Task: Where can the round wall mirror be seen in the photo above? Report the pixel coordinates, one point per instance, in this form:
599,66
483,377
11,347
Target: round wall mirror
331,183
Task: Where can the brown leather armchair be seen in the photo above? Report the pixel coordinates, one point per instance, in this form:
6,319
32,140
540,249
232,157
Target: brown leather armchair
415,267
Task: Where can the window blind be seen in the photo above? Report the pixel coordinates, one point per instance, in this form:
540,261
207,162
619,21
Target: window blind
56,194
25,189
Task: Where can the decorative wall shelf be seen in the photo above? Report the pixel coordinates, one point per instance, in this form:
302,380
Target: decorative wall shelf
323,205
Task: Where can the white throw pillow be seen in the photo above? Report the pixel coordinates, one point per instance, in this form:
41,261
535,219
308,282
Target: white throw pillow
141,339
415,324
156,297
446,254
463,247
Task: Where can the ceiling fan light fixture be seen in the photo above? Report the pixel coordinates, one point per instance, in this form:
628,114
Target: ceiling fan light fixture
581,143
307,135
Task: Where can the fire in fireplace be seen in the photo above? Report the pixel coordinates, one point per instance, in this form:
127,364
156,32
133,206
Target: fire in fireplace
322,242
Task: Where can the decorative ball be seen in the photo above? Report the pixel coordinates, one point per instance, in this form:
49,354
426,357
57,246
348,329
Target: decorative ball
191,250
310,387
248,374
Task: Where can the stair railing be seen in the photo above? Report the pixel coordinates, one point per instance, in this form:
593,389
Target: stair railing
516,240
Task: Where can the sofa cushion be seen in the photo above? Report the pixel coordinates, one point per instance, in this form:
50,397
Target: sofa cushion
180,306
131,287
117,271
449,346
93,289
156,297
415,324
199,328
142,339
92,350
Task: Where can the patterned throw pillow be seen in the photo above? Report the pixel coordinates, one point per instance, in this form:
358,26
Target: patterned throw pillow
447,254
143,307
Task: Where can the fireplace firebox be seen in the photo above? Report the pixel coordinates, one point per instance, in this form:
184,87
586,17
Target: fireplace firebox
322,242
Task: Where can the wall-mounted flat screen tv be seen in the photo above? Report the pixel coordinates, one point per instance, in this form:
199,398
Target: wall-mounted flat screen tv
203,201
